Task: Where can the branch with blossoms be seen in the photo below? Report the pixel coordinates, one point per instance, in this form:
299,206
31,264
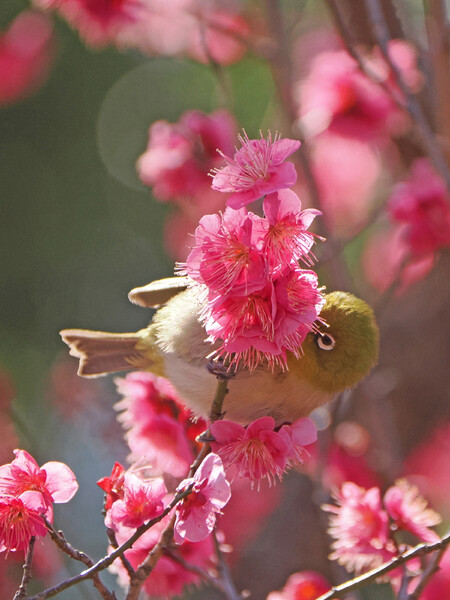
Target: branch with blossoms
372,576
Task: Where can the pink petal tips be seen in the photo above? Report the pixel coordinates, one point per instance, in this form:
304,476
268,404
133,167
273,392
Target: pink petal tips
256,169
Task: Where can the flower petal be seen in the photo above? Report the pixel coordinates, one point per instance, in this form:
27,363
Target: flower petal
283,148
61,481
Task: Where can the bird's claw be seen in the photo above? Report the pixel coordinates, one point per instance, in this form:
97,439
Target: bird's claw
220,370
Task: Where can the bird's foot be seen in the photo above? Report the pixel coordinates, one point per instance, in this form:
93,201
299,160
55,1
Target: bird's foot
205,437
220,370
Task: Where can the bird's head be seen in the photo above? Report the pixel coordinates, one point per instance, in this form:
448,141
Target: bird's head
340,355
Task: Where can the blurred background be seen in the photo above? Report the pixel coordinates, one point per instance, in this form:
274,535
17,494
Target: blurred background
79,229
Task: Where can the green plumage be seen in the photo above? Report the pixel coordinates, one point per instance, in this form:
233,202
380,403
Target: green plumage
352,325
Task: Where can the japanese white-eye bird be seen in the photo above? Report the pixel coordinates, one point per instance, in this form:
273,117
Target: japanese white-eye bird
174,346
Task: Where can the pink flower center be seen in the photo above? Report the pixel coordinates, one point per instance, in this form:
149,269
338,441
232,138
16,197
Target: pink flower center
253,459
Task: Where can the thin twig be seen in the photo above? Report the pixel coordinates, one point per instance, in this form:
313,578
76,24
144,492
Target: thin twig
357,583
432,568
146,567
22,591
414,108
202,573
59,539
406,580
113,541
389,293
363,64
228,587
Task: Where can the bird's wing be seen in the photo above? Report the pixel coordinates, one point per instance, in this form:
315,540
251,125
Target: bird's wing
158,292
101,353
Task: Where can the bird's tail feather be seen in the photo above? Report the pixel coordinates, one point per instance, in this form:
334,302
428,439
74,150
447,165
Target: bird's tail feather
101,353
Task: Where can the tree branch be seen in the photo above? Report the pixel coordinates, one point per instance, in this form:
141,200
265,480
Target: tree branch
342,590
427,135
59,539
227,586
432,568
145,568
22,591
106,561
113,541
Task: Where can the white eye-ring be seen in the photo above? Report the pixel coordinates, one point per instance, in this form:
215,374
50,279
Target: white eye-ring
325,341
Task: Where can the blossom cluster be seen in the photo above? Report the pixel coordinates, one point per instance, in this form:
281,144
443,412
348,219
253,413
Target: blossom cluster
162,438
131,499
176,165
365,526
203,30
417,228
28,492
158,426
258,301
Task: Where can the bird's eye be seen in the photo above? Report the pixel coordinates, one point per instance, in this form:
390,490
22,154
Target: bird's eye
325,341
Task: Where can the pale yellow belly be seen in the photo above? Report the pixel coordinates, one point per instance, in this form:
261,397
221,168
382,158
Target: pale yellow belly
250,394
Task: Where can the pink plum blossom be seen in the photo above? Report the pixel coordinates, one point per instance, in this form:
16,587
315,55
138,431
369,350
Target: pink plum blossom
203,30
409,511
256,169
258,451
287,238
180,155
347,171
26,55
386,258
299,434
20,519
305,585
219,35
142,500
166,29
210,492
54,480
422,205
360,527
157,424
228,253
338,97
428,467
113,485
100,22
